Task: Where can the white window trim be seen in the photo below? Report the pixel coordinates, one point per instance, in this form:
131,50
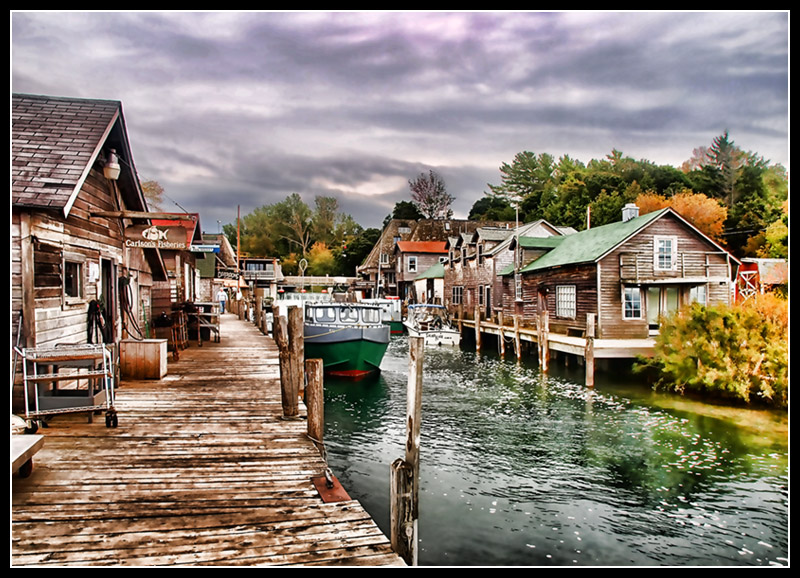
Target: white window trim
657,239
566,301
411,259
625,315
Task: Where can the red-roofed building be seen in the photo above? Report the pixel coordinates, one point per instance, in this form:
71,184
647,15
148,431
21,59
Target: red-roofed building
413,258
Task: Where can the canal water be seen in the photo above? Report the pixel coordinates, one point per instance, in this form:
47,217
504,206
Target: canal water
524,469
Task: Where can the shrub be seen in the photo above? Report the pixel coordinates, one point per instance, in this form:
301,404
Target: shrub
739,352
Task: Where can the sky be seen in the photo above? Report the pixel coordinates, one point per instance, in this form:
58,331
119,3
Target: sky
230,111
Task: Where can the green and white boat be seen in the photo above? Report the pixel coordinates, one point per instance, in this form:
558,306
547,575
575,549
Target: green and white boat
350,338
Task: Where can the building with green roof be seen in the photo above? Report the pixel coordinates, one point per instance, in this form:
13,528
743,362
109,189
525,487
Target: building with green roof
627,274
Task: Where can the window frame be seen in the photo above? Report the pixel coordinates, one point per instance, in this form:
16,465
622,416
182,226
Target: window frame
68,260
625,301
457,294
567,301
658,256
411,259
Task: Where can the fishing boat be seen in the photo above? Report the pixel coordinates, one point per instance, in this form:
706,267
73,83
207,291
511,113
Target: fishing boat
433,323
391,312
350,338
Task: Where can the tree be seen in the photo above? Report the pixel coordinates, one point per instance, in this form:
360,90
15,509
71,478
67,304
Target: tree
726,158
526,180
430,196
705,213
321,260
154,195
326,210
295,222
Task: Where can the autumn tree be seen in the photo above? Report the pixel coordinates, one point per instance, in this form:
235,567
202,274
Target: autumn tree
429,194
705,213
321,260
154,195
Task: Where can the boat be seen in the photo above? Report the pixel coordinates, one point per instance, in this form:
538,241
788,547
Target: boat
391,312
350,338
433,323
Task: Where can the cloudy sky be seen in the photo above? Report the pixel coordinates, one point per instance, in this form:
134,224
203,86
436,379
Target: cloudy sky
230,109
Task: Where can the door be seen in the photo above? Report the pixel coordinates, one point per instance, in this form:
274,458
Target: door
661,302
108,298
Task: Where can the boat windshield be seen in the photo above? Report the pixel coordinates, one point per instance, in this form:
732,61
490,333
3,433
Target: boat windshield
427,314
327,314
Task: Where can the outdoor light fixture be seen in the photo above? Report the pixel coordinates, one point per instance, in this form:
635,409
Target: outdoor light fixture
111,168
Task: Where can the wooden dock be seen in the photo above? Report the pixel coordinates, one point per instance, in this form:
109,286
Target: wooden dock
201,470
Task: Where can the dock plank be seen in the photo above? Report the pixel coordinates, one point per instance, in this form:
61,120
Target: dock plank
202,470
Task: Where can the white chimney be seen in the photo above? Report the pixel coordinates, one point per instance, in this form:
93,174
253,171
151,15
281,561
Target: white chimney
629,211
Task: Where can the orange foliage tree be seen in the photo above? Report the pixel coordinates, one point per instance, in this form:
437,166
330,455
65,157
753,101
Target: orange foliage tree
705,213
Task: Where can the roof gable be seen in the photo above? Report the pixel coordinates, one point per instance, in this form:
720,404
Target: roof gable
592,244
55,143
422,246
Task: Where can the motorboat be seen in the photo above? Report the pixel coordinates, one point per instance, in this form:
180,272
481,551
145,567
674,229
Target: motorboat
350,338
433,323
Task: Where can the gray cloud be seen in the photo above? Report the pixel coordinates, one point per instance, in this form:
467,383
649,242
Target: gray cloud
240,109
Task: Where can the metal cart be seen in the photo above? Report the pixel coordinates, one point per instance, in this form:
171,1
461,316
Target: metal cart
87,370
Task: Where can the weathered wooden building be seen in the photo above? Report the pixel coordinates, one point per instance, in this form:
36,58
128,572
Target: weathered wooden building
176,234
74,192
413,258
475,260
627,274
382,275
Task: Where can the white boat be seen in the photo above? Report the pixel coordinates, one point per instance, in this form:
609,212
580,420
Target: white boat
391,312
433,323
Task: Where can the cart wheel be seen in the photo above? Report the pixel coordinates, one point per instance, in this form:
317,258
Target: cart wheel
26,469
111,419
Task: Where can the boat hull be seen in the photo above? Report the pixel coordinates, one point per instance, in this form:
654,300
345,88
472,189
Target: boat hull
349,352
436,336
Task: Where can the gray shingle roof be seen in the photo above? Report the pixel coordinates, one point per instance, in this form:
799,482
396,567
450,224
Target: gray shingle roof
54,143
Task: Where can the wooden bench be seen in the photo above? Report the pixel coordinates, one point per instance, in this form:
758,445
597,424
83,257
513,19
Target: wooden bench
23,447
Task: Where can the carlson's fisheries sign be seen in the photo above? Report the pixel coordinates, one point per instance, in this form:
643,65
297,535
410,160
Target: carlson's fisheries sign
156,237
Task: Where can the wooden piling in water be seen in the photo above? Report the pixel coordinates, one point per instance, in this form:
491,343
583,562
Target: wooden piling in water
543,331
405,472
589,349
500,322
477,329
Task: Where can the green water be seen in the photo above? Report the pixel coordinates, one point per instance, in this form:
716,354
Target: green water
524,469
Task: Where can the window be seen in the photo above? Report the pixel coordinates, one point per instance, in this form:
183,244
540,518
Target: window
458,295
384,258
411,264
632,303
698,295
371,315
665,253
72,270
566,305
348,315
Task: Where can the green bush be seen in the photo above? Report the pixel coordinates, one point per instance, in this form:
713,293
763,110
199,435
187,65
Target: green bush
738,352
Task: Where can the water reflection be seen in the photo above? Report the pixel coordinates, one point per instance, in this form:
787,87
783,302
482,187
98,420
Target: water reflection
519,468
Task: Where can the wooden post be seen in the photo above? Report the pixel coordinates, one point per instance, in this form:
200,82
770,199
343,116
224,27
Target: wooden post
315,400
500,322
589,352
405,472
543,336
517,341
297,349
477,328
288,396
